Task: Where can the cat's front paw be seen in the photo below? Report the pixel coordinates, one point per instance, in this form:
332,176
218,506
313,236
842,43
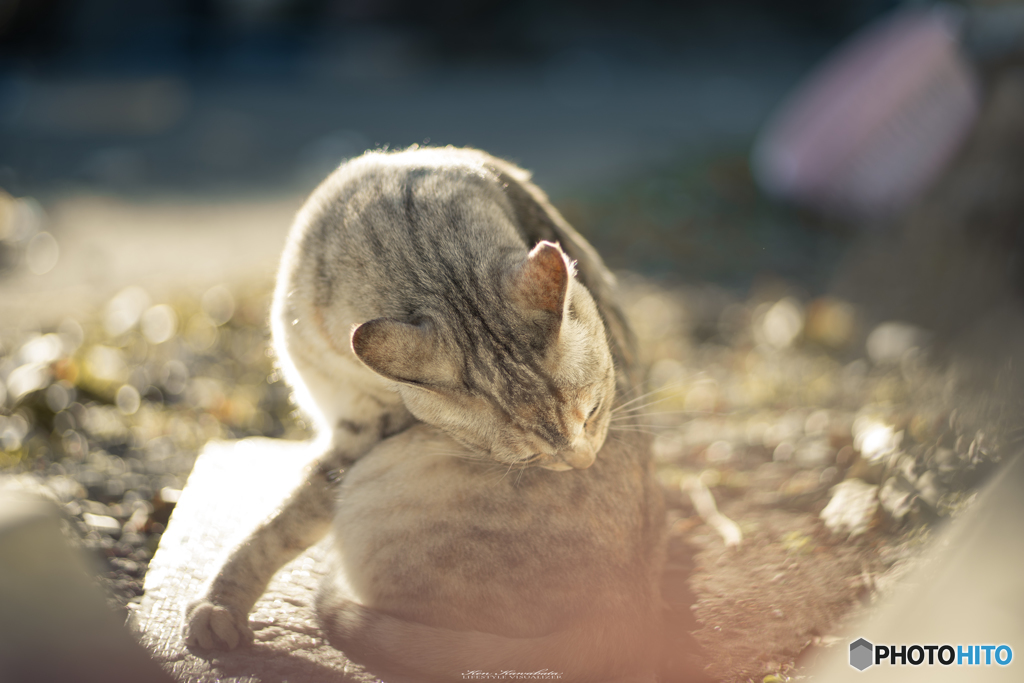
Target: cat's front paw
215,627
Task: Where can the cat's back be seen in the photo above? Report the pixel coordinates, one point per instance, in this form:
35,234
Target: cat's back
403,222
438,538
402,201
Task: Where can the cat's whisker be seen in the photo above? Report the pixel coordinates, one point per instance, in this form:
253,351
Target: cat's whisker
635,409
505,475
465,456
459,453
622,407
627,425
633,400
640,391
642,407
637,431
643,385
624,418
510,466
519,477
662,396
631,425
639,386
639,414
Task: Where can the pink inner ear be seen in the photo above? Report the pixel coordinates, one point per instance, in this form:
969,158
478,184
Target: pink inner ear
544,278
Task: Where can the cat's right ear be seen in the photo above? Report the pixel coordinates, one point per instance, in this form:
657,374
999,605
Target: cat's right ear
406,353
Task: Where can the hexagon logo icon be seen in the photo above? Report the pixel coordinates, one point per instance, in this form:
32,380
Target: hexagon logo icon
861,654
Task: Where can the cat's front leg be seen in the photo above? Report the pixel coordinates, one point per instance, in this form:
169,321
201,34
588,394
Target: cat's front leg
219,618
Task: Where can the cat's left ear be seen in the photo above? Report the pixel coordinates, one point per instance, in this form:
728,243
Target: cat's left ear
403,352
541,284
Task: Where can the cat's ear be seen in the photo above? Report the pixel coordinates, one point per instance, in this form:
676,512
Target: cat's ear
402,352
541,284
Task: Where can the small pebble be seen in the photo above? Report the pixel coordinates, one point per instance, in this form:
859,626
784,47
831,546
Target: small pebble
852,507
102,523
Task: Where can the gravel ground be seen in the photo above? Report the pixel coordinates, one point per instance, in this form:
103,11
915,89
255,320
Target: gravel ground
111,410
834,457
757,400
832,444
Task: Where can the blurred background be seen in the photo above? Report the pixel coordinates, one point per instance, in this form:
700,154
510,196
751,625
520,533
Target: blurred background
816,209
646,113
121,104
244,95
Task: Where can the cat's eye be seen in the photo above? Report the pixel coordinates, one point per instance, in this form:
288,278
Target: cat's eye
592,412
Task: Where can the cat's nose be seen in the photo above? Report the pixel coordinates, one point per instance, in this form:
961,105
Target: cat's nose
578,458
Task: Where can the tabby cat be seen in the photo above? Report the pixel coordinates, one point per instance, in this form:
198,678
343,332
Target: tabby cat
461,371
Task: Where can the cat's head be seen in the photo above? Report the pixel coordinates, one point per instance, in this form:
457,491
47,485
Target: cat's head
526,378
